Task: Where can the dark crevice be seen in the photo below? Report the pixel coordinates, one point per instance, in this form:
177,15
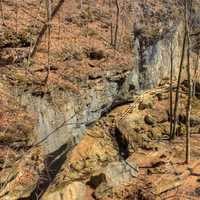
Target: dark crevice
94,77
131,88
94,54
95,181
120,81
116,103
38,94
122,144
53,164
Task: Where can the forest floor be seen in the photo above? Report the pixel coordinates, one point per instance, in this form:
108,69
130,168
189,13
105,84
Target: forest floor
141,140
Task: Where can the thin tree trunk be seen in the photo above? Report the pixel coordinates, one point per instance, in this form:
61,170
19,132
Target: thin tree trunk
171,89
178,87
111,24
188,111
111,32
59,27
195,75
117,24
48,8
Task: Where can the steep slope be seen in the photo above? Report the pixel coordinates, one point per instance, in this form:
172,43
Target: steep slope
126,155
20,167
80,77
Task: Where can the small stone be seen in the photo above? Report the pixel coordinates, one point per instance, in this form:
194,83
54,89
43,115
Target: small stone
149,120
156,170
146,104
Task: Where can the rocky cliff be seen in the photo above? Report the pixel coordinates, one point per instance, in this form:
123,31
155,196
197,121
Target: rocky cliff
86,79
102,90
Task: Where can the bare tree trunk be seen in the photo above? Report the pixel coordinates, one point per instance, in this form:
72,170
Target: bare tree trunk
111,24
171,89
188,109
48,8
178,87
117,24
59,27
195,75
2,13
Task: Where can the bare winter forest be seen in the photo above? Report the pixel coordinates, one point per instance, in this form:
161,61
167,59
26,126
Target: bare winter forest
99,99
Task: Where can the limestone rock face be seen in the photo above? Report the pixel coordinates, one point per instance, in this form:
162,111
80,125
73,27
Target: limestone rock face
103,89
75,112
51,113
20,168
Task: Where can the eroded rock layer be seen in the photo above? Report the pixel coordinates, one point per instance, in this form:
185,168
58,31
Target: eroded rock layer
54,98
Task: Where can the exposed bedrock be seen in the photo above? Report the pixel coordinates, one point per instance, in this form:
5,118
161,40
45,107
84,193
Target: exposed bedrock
66,115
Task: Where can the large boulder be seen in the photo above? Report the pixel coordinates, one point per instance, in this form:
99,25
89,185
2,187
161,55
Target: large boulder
74,191
120,172
116,174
